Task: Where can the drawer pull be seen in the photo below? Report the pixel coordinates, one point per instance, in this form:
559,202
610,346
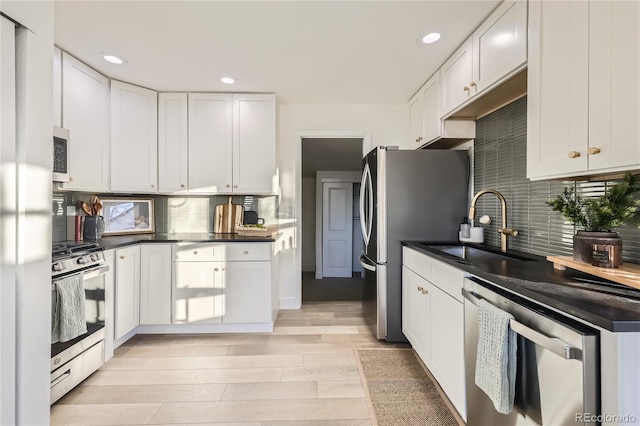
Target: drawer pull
245,252
593,150
122,257
195,252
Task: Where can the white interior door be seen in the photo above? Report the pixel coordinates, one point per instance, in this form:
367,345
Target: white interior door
337,224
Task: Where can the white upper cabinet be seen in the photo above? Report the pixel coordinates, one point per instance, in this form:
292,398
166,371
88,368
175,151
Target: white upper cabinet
231,143
173,161
57,87
457,75
134,138
210,142
495,52
85,112
582,108
431,115
416,125
254,143
500,44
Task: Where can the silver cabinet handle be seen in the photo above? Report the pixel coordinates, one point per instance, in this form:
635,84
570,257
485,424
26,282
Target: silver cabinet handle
553,344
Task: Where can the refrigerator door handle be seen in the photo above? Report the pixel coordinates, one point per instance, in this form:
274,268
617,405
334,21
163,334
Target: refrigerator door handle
366,175
366,265
370,220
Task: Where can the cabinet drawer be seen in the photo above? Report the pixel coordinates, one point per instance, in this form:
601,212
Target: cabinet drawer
189,252
448,278
248,251
417,262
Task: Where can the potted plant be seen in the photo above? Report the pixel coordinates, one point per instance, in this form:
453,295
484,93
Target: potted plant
598,217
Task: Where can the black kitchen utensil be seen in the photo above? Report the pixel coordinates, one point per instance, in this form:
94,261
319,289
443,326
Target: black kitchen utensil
251,218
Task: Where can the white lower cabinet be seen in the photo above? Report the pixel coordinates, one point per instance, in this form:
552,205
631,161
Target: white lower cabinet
155,284
433,320
222,283
127,303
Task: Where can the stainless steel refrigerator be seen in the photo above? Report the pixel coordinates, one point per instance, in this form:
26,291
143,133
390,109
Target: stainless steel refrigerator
405,195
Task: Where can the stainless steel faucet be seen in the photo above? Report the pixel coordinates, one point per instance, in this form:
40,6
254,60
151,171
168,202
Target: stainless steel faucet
504,231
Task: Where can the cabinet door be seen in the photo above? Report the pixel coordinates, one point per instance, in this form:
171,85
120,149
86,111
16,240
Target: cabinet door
57,87
210,143
198,292
415,120
432,118
500,44
447,346
457,76
557,101
173,158
247,292
254,143
85,112
127,290
614,100
155,284
134,138
416,303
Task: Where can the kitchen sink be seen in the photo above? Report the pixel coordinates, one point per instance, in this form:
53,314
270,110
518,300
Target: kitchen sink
475,253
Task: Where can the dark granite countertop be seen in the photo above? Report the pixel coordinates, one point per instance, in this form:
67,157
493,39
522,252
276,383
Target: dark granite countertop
117,241
614,307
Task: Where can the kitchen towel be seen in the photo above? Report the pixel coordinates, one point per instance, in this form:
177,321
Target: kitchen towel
496,360
68,315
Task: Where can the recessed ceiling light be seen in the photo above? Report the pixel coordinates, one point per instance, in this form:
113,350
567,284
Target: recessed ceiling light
114,59
430,38
226,79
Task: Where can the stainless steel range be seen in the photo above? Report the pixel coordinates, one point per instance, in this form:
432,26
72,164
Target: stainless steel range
74,360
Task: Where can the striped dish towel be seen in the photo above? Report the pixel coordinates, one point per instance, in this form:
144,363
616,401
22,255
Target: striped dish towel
68,315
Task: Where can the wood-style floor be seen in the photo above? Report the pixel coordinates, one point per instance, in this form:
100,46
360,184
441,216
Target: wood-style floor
304,373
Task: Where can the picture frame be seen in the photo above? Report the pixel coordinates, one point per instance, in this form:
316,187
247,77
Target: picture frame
125,216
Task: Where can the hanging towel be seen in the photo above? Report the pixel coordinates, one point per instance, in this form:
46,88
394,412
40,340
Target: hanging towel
496,360
68,315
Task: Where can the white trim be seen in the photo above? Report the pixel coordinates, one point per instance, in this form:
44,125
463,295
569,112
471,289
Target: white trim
290,303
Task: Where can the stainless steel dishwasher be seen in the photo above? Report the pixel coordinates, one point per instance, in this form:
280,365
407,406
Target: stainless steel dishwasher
558,368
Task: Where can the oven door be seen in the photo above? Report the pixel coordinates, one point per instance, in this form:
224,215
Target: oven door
94,286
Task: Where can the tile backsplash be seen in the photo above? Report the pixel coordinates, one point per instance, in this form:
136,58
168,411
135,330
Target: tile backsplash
173,214
500,163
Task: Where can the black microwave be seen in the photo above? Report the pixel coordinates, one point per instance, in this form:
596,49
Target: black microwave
60,154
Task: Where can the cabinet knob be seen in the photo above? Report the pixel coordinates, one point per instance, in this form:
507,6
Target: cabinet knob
216,269
419,139
235,186
228,186
182,185
593,150
420,289
122,257
153,185
70,179
195,252
466,89
472,84
245,252
574,154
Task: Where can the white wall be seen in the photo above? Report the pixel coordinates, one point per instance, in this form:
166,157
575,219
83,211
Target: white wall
378,124
34,92
309,224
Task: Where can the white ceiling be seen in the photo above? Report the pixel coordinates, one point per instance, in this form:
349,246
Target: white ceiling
307,52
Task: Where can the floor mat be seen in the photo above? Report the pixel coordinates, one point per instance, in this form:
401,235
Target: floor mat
400,391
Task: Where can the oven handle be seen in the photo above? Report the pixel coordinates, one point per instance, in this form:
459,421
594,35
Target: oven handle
555,345
94,273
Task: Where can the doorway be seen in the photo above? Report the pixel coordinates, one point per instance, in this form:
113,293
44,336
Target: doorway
331,237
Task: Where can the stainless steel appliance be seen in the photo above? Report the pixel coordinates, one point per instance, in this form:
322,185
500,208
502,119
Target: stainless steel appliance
558,368
405,195
60,154
74,360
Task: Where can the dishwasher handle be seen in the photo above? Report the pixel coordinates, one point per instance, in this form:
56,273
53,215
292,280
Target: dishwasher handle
555,345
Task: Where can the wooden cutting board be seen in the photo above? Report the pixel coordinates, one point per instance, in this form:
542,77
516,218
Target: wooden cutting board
227,217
